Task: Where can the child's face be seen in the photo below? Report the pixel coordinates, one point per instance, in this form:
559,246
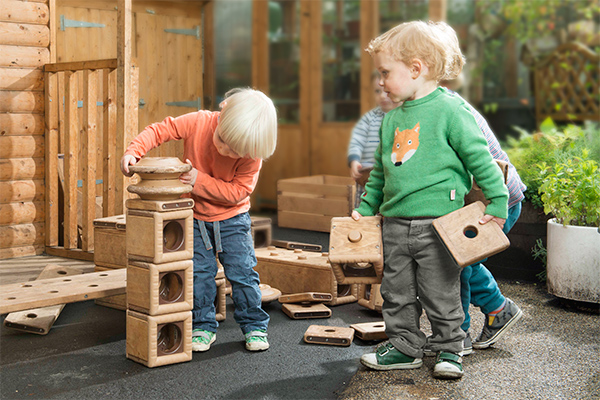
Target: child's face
381,97
222,147
396,77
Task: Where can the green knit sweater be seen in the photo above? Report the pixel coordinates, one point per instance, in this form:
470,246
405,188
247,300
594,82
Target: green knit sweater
429,151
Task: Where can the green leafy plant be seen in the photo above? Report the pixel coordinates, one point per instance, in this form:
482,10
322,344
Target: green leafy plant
570,190
539,252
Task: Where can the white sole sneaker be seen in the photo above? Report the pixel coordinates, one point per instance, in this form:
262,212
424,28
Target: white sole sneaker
447,370
203,346
369,360
257,346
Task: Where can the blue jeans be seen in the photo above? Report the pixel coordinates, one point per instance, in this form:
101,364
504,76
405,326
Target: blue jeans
478,286
231,241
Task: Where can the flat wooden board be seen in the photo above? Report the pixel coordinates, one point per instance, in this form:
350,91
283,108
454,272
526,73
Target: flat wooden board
306,311
329,335
455,229
306,297
370,330
49,292
40,320
286,244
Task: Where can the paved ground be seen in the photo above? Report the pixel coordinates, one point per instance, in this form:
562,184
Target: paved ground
553,353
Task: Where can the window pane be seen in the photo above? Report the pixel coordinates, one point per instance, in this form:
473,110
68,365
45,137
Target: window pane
394,12
284,53
341,60
233,45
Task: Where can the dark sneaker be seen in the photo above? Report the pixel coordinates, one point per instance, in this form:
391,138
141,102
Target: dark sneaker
496,326
387,357
467,347
201,339
448,366
257,340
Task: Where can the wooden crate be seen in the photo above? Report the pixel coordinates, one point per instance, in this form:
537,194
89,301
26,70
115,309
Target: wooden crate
297,271
110,248
310,202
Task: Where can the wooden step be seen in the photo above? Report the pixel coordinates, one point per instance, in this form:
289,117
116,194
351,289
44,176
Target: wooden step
49,292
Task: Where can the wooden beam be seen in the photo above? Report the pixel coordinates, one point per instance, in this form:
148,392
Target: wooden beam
208,42
51,157
438,10
110,63
49,292
89,149
369,29
260,45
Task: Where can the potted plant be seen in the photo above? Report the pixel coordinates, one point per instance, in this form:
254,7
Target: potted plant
570,191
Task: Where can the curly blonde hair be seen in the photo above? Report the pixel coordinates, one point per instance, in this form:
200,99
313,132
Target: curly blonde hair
434,43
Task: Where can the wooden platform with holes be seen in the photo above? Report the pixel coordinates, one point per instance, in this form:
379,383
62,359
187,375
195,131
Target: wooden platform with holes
297,271
49,292
329,335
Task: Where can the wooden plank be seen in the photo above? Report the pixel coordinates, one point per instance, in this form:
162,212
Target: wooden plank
290,187
23,56
208,82
24,12
49,292
21,79
70,162
21,235
90,94
15,101
21,146
25,212
311,222
26,190
22,251
40,320
317,206
109,142
260,45
77,254
110,63
24,34
51,156
21,168
21,124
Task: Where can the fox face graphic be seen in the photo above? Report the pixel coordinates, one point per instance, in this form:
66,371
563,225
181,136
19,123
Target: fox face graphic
405,144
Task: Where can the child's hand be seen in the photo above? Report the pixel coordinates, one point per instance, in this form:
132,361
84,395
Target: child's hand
126,161
355,215
355,167
190,176
487,218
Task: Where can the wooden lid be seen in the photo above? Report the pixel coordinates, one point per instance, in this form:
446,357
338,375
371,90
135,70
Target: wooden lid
160,167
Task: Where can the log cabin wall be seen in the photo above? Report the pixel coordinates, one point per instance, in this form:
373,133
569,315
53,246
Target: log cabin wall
24,49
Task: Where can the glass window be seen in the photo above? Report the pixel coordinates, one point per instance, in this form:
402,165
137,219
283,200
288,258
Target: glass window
341,60
394,12
233,45
284,53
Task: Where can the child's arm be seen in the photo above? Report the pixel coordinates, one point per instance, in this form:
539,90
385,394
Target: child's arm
358,140
373,195
229,192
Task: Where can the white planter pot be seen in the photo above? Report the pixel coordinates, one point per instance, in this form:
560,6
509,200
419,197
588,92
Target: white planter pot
573,262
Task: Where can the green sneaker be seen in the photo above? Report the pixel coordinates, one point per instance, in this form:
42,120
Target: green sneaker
387,357
448,366
257,340
201,339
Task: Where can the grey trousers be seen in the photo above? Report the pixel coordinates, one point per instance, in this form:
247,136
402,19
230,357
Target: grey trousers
419,273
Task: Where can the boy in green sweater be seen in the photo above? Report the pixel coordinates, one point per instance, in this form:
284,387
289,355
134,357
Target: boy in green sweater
430,149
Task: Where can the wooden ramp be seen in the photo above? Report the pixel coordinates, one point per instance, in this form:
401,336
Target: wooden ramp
49,292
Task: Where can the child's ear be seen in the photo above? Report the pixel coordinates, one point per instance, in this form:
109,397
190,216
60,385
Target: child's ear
416,68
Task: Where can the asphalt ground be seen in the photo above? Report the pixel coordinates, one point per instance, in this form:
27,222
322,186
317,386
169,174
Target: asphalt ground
553,352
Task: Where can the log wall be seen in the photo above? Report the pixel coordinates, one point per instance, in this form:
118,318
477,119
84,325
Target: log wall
24,49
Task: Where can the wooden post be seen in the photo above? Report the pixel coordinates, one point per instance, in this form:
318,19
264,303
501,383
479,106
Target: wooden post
89,148
438,10
51,155
369,29
209,56
109,144
71,155
260,45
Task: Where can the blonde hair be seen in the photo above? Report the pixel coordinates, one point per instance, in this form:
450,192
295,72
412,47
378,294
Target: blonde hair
434,43
248,123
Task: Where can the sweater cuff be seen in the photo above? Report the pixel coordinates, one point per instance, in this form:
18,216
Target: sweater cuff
353,157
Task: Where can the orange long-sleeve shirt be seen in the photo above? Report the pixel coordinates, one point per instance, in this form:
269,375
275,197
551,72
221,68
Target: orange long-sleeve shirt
223,186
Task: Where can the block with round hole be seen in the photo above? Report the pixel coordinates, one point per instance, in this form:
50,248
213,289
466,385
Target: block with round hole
370,330
369,296
298,271
356,250
329,335
157,289
160,237
159,340
466,239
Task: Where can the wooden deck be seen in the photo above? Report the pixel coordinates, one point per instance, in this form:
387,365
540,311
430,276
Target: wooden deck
23,269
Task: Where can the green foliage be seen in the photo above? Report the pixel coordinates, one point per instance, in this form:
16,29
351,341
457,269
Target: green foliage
539,252
550,145
570,190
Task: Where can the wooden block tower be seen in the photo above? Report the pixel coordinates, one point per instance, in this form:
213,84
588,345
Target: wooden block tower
160,272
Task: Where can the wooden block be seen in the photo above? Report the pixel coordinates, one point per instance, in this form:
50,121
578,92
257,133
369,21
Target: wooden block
455,227
268,293
261,235
159,205
297,271
370,330
220,300
356,250
286,244
49,292
159,340
157,289
306,311
476,194
310,202
110,245
260,221
118,302
40,320
307,297
369,296
330,335
160,237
